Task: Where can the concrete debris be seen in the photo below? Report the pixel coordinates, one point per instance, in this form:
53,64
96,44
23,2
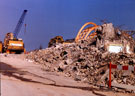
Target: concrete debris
87,61
129,88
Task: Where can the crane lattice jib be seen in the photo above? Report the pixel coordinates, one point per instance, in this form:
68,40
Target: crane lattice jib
19,24
86,33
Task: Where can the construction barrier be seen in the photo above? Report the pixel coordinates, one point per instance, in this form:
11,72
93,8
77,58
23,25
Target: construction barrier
119,67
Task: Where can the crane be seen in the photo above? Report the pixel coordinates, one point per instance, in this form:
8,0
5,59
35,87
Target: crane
19,24
11,43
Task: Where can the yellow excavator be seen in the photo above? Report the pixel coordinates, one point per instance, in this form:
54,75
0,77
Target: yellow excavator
11,43
83,34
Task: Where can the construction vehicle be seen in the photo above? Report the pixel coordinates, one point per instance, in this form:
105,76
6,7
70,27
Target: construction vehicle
11,43
83,34
55,40
59,39
1,47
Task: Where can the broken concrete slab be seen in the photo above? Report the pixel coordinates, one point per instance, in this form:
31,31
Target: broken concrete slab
123,86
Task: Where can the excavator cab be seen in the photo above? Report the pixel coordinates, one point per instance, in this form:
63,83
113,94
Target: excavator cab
13,45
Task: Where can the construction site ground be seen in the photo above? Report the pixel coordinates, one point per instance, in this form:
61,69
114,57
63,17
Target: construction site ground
20,77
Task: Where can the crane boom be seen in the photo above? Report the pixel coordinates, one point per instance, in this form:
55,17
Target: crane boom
19,24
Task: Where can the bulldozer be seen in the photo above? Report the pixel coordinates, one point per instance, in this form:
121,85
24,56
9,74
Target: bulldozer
59,39
55,40
12,44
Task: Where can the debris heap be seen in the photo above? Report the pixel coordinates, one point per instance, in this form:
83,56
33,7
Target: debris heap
87,60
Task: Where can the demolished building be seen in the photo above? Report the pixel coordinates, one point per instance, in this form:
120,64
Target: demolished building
87,60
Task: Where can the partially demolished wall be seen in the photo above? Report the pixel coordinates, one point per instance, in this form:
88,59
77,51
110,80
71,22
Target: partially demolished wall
107,35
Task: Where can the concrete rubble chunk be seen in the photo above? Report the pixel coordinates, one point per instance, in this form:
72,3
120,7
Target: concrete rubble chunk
123,86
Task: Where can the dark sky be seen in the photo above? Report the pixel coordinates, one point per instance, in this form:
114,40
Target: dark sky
48,18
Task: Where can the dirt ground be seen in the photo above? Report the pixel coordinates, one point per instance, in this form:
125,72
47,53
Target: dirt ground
20,77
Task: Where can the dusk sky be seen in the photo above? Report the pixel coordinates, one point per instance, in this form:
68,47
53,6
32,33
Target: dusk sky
49,18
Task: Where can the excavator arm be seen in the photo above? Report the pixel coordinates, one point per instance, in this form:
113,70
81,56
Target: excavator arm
19,24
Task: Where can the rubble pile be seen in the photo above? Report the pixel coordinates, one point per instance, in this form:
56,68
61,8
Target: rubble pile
85,61
81,61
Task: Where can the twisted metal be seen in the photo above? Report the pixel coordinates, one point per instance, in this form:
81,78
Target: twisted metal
86,33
